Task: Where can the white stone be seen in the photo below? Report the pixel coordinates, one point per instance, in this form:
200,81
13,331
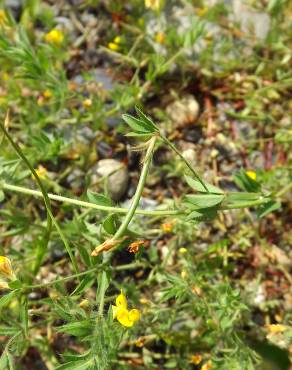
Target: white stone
118,177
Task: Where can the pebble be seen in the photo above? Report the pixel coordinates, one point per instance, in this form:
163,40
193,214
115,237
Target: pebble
184,111
118,177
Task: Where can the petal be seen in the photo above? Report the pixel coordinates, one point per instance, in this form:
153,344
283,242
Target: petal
115,311
123,318
134,315
121,300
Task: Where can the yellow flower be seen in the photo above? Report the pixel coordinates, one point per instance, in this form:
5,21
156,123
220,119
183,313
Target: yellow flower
196,359
87,103
182,250
41,172
276,328
117,40
55,36
153,4
167,227
184,274
251,174
48,94
160,38
6,268
122,314
207,366
113,46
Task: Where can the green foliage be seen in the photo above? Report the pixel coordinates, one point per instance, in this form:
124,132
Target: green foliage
206,265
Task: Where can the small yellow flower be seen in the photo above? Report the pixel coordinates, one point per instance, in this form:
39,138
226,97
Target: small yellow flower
276,328
184,274
153,4
47,94
87,103
117,40
6,268
113,46
122,314
207,366
196,359
160,38
55,37
182,250
41,172
251,174
140,342
167,227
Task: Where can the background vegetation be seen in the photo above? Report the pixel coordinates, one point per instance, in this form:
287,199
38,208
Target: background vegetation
155,237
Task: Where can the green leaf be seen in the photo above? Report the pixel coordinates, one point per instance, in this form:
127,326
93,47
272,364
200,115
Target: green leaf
9,331
138,125
267,208
241,196
77,365
24,314
137,134
99,199
15,284
2,195
145,118
8,298
246,183
85,283
204,200
77,329
110,224
196,185
206,214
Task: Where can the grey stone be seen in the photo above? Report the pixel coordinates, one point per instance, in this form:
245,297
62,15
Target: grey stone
184,111
117,174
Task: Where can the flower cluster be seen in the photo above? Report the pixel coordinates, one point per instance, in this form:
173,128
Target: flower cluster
122,314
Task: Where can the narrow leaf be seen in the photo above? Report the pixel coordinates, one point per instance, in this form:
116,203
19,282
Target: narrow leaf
204,200
196,185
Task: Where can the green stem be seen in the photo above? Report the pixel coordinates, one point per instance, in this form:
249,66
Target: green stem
121,230
169,143
247,204
81,203
103,285
284,190
128,266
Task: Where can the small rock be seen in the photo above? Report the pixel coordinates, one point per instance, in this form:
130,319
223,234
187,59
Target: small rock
184,111
118,176
190,155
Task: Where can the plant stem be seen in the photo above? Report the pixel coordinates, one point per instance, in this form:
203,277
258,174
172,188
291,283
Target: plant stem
50,217
173,147
148,157
127,266
103,284
81,203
